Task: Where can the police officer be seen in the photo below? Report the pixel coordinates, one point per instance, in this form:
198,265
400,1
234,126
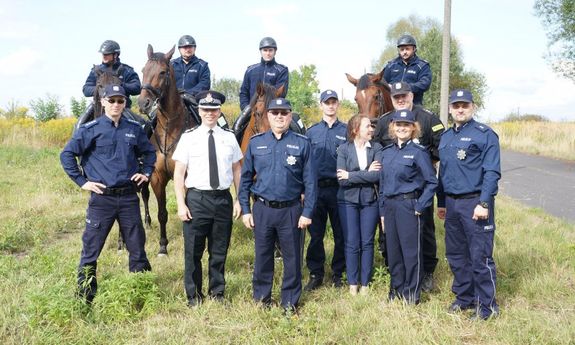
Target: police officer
110,51
326,136
110,147
192,73
407,186
211,157
468,175
408,67
429,136
282,161
267,71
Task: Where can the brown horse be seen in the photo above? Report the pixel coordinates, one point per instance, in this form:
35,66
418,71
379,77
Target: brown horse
259,106
104,78
160,98
372,94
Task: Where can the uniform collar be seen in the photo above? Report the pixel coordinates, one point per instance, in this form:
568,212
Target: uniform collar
284,134
335,124
457,130
206,129
268,63
402,145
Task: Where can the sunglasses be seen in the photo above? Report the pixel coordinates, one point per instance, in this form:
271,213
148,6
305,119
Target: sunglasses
277,112
116,100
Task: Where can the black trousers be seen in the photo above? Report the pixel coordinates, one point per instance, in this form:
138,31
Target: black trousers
211,221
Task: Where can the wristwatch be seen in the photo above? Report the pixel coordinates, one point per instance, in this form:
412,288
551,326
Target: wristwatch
484,204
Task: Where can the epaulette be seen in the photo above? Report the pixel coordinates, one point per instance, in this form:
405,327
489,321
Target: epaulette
388,146
134,122
191,129
300,135
424,61
227,130
127,65
202,62
257,135
252,67
90,124
428,111
312,126
280,66
419,146
481,127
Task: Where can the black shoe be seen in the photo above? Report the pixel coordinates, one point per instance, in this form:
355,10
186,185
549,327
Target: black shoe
218,298
314,283
457,307
337,282
427,282
194,302
478,316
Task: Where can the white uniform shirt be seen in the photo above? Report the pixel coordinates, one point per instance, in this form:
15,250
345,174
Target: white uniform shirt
192,150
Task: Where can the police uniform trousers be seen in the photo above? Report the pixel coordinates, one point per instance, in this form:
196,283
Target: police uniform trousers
211,221
279,224
103,211
326,205
359,222
403,241
469,251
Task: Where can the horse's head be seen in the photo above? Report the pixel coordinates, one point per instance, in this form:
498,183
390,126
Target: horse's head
104,78
259,105
158,77
372,94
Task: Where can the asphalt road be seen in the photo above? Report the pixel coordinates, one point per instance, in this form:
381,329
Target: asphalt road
539,182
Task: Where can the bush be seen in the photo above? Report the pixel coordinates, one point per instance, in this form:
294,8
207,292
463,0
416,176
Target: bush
14,110
515,117
78,107
46,109
57,132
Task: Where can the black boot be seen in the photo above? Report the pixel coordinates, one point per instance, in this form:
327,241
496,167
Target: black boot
241,123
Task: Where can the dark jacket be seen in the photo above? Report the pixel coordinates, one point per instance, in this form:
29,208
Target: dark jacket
416,73
192,77
361,186
130,80
269,72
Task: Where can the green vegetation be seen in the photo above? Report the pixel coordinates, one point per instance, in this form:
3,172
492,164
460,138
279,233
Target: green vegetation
45,109
40,241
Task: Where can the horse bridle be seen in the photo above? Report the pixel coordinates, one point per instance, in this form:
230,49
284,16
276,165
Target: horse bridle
257,114
157,92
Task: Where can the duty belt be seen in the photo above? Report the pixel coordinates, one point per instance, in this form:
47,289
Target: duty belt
217,192
119,190
404,196
327,182
277,204
464,196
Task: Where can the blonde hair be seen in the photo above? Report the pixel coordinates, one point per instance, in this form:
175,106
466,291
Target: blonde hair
414,134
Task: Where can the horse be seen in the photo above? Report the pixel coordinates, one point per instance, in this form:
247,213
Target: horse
160,98
372,94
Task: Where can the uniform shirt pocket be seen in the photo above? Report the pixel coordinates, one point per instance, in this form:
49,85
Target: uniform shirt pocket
262,158
105,147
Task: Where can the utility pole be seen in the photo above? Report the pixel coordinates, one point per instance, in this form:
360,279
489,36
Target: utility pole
446,51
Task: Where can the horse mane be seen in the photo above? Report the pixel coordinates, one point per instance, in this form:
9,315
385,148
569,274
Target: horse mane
158,57
365,81
269,94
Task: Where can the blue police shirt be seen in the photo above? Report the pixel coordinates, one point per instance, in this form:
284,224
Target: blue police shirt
284,170
109,154
192,77
130,81
407,169
325,140
470,162
416,73
269,72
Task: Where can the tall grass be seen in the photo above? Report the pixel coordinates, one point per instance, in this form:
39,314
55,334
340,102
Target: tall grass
44,210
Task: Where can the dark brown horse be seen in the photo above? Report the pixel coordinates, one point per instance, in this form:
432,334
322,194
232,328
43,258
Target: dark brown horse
160,98
259,106
372,94
104,78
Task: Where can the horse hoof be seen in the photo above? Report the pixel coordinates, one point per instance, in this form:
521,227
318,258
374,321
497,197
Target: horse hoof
120,251
163,251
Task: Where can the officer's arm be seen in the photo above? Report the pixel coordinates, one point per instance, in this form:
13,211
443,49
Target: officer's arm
424,81
310,182
147,152
132,83
387,72
342,163
74,148
246,181
491,167
245,92
437,129
381,194
423,161
283,79
204,81
90,84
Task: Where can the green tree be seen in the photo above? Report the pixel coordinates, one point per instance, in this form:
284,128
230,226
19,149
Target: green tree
428,33
78,107
14,110
303,91
47,108
558,18
229,87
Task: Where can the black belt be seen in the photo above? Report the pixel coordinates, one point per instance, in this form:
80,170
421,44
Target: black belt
327,182
216,192
404,196
464,196
277,204
120,190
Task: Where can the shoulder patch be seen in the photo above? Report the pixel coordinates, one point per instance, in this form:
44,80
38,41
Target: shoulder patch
90,124
192,129
437,127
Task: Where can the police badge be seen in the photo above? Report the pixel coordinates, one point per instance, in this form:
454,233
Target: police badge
461,154
291,160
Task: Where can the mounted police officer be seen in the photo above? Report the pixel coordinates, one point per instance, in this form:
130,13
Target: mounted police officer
409,68
267,71
110,51
429,136
283,163
468,175
326,136
207,163
111,147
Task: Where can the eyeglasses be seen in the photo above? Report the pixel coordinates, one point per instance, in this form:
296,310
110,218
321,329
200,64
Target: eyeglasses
116,100
277,112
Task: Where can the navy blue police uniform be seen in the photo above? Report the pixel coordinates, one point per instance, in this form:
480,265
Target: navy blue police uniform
268,72
192,77
130,80
285,171
416,72
468,176
325,140
109,155
407,185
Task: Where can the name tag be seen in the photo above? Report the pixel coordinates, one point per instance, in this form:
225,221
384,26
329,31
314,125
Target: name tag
411,71
340,137
465,139
130,135
292,146
270,74
261,147
408,156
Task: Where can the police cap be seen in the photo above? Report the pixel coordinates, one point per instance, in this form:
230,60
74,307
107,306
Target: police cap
210,99
460,95
114,90
404,115
400,88
279,103
327,94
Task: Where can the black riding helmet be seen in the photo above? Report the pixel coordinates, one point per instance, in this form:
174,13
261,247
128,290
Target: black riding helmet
406,40
268,42
186,40
109,47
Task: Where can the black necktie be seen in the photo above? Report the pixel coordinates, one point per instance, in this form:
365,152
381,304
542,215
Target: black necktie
214,179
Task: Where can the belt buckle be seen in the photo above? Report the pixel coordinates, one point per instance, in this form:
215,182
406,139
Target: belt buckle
274,204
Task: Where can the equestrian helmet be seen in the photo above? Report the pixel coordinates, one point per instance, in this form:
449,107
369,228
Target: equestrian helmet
406,40
186,40
268,42
109,47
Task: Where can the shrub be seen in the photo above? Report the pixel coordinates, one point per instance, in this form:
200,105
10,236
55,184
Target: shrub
14,110
515,117
58,131
78,107
46,109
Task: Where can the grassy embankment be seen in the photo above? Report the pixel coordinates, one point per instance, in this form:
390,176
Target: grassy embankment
40,229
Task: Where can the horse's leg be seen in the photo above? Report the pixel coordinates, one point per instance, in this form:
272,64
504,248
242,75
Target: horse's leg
145,199
159,187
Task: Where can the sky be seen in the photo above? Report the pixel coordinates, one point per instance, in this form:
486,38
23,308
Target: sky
49,47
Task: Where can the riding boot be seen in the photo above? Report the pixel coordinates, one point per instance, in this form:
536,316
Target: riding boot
241,123
296,124
191,104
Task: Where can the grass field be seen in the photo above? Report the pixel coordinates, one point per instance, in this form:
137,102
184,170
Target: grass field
40,240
